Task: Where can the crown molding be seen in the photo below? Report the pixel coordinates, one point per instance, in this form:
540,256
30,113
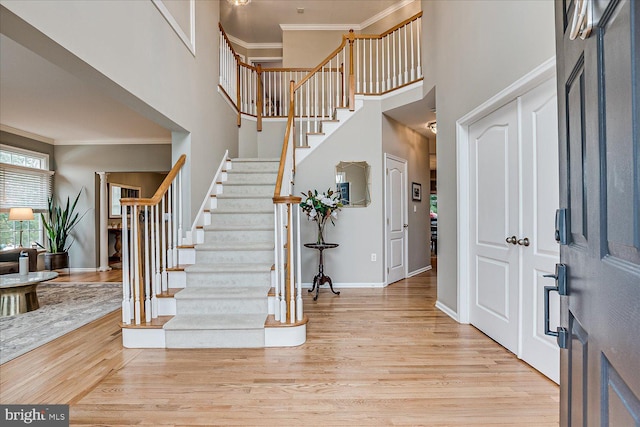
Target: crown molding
26,134
247,45
388,11
319,27
115,141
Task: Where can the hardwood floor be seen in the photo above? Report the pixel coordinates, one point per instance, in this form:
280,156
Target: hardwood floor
372,357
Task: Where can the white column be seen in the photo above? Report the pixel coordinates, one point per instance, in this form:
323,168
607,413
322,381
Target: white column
104,215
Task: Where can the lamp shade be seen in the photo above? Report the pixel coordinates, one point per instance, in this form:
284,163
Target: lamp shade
20,214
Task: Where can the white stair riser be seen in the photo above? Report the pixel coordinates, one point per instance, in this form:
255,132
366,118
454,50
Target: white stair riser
166,307
214,236
249,189
252,178
234,257
186,256
212,280
245,204
236,219
240,166
177,279
222,306
232,338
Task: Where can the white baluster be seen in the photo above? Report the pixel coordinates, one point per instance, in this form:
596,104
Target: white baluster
170,263
126,282
299,311
370,66
155,271
419,43
174,197
147,283
157,268
377,66
357,42
164,245
393,55
406,58
136,264
388,37
283,299
180,207
291,272
276,284
413,70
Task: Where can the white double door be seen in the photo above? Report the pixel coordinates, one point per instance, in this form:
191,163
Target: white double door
513,157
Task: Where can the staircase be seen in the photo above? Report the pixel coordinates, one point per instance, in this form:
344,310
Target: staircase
225,300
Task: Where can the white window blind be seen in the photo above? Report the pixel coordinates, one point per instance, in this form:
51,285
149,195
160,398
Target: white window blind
24,187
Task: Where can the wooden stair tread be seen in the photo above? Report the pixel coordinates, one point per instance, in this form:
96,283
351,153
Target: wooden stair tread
179,267
157,323
169,293
271,322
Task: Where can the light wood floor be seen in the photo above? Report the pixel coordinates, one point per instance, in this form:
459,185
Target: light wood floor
372,357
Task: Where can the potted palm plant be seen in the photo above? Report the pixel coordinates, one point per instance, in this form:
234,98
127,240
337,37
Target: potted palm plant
58,227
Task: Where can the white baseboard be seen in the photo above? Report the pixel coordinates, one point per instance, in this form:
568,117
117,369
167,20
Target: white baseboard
81,269
448,311
348,285
421,270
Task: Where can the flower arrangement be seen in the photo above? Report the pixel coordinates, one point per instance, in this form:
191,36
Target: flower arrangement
320,208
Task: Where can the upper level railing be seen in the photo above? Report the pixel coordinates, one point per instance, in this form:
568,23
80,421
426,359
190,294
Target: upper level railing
361,64
151,234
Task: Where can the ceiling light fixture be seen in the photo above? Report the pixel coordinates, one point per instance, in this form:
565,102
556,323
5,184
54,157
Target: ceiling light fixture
239,2
432,127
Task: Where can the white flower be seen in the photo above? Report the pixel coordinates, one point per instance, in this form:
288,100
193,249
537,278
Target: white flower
334,214
309,202
313,213
327,201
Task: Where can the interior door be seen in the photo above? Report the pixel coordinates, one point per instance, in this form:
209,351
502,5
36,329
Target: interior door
599,140
494,225
539,197
396,205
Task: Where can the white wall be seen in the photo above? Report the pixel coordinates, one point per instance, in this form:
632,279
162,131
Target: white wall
359,231
473,50
128,50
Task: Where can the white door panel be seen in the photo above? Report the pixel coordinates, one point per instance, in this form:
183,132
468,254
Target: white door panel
396,206
539,195
494,275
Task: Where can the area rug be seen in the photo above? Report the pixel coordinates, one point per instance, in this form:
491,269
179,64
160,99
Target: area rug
64,307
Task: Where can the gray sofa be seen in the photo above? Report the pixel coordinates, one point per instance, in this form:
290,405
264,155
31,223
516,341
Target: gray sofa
9,260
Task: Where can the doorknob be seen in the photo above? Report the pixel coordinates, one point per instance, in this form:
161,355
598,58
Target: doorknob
406,226
524,242
513,240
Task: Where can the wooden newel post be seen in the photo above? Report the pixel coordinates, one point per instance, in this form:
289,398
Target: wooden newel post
238,99
260,101
352,77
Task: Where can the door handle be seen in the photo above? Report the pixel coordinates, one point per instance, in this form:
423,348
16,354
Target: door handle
524,242
513,240
406,226
560,287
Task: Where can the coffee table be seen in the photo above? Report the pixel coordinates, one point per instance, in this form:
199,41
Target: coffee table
18,291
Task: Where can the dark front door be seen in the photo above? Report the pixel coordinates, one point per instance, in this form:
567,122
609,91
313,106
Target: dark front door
599,122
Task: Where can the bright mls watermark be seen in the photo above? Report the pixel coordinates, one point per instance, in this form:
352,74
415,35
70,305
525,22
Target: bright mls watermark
34,415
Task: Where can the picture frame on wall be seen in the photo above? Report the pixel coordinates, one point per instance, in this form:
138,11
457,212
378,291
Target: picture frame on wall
416,191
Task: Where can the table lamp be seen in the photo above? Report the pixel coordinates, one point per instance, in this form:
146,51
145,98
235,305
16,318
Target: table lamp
20,214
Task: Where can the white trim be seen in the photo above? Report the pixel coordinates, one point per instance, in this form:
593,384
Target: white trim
26,134
309,285
388,11
446,310
320,27
188,40
532,79
207,197
80,269
143,338
44,157
115,141
248,45
253,59
291,336
420,270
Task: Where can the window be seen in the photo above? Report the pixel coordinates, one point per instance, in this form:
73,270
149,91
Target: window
25,181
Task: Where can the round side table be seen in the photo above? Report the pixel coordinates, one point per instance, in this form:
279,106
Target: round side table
321,278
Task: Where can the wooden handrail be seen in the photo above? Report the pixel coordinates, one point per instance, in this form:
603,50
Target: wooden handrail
164,186
286,69
327,59
224,34
285,145
390,30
